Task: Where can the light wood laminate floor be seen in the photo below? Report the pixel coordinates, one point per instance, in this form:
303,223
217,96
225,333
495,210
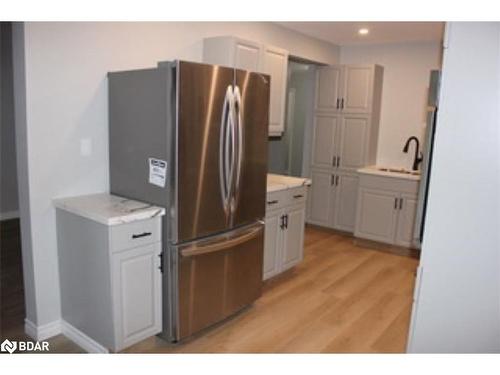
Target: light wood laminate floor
341,298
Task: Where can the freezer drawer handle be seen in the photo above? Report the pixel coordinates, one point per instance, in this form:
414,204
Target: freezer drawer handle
220,245
145,234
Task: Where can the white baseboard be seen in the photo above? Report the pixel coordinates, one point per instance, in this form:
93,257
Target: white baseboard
9,215
81,339
40,333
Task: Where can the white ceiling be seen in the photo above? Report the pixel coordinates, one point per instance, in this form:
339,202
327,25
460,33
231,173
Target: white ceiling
346,33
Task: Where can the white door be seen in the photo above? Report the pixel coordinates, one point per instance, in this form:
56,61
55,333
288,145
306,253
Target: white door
275,63
247,55
407,206
352,138
376,215
357,89
346,186
272,243
137,294
325,130
328,83
293,239
321,201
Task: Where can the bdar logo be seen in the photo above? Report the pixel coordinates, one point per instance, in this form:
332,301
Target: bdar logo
8,346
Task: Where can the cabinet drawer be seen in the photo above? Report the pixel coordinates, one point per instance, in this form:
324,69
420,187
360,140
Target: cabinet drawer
296,195
388,183
137,233
276,199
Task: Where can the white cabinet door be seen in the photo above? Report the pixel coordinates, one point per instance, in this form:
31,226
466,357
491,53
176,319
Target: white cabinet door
352,137
345,204
328,84
376,215
275,63
324,139
272,243
357,89
293,238
321,202
406,220
136,281
247,55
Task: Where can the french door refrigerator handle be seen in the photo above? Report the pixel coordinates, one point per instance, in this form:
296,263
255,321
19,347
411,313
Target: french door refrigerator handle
222,244
240,137
224,163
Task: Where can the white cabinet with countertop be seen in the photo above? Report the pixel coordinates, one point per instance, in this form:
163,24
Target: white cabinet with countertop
257,57
110,270
386,206
285,223
345,138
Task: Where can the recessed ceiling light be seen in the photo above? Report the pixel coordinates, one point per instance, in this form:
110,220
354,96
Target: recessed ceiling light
363,31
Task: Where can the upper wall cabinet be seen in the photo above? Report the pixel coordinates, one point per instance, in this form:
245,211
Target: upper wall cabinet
346,88
275,63
248,55
328,88
346,119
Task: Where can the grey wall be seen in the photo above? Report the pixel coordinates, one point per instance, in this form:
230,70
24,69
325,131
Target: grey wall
62,93
8,169
458,306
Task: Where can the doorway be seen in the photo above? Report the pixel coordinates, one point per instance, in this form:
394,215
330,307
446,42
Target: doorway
12,307
289,154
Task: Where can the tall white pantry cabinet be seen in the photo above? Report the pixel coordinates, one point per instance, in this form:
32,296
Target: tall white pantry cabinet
248,55
345,137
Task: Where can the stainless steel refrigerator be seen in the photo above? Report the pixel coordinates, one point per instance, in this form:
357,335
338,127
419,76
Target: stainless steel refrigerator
432,111
193,138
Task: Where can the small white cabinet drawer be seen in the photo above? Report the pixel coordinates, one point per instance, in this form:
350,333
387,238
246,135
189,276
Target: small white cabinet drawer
296,195
138,233
276,199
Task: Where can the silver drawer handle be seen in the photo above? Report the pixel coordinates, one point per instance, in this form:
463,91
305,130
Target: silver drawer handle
272,202
145,234
298,196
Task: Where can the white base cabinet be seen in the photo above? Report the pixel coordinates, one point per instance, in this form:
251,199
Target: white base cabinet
386,210
110,279
284,232
136,294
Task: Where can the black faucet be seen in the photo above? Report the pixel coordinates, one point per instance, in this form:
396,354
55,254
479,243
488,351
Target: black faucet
418,155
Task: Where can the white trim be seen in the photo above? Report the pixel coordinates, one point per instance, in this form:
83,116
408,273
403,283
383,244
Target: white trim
57,327
9,215
40,333
81,339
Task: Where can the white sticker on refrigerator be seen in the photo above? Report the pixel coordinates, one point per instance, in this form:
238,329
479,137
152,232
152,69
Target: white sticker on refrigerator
157,172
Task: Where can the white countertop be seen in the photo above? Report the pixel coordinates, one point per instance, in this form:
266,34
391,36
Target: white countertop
375,170
108,209
276,182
